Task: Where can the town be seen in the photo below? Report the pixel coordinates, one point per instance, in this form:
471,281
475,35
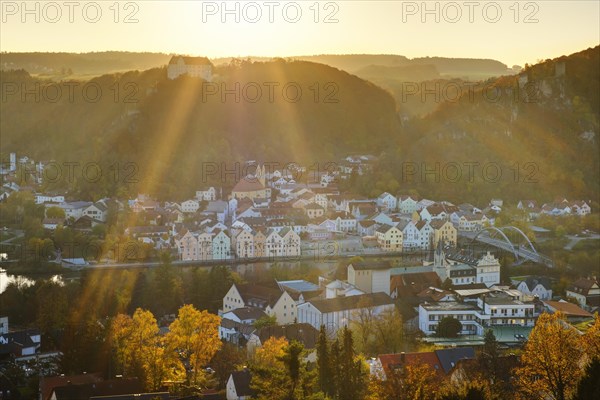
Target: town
405,260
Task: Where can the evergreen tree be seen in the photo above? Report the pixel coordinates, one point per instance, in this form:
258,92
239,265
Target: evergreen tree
324,363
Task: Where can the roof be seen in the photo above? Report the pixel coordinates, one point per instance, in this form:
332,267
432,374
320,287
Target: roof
351,302
248,184
259,295
366,265
245,313
241,381
582,286
533,281
413,283
569,309
304,333
299,285
450,357
47,384
103,388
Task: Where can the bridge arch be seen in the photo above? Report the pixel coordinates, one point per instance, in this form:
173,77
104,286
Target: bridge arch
506,239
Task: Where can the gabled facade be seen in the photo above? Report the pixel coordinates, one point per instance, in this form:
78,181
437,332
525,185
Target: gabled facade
389,238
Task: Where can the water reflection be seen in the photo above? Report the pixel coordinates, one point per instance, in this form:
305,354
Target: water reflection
6,279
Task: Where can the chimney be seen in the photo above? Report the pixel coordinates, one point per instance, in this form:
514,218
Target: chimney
402,356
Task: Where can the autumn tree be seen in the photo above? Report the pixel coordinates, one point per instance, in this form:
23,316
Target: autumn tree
140,350
194,337
550,361
411,382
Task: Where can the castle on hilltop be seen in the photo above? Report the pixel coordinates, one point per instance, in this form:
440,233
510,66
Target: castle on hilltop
197,67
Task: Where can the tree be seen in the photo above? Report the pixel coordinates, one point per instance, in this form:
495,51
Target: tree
229,358
55,212
139,348
324,366
589,385
264,321
550,362
488,357
388,331
350,376
448,327
411,382
194,337
591,339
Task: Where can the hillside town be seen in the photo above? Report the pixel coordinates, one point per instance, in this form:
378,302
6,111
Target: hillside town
275,216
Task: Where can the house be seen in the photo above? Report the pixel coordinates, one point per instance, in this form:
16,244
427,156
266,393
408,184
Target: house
387,202
243,243
252,187
538,286
272,300
426,235
206,194
389,238
48,383
314,210
74,209
370,277
221,246
411,236
527,204
586,291
190,206
115,388
196,67
20,343
463,269
443,231
344,222
571,311
580,207
442,361
187,246
407,204
411,284
366,227
338,312
238,386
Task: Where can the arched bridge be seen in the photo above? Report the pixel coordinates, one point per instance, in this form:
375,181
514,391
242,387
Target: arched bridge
497,237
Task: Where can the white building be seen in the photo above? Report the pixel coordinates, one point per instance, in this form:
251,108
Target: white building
196,67
490,308
338,312
190,206
370,277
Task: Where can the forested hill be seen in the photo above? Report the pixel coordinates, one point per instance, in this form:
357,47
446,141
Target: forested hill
544,122
548,116
304,112
63,65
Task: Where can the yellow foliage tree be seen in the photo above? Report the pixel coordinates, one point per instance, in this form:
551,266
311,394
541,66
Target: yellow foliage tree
591,339
550,364
194,336
139,348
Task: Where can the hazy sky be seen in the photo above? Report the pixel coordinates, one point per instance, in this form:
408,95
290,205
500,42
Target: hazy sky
509,31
